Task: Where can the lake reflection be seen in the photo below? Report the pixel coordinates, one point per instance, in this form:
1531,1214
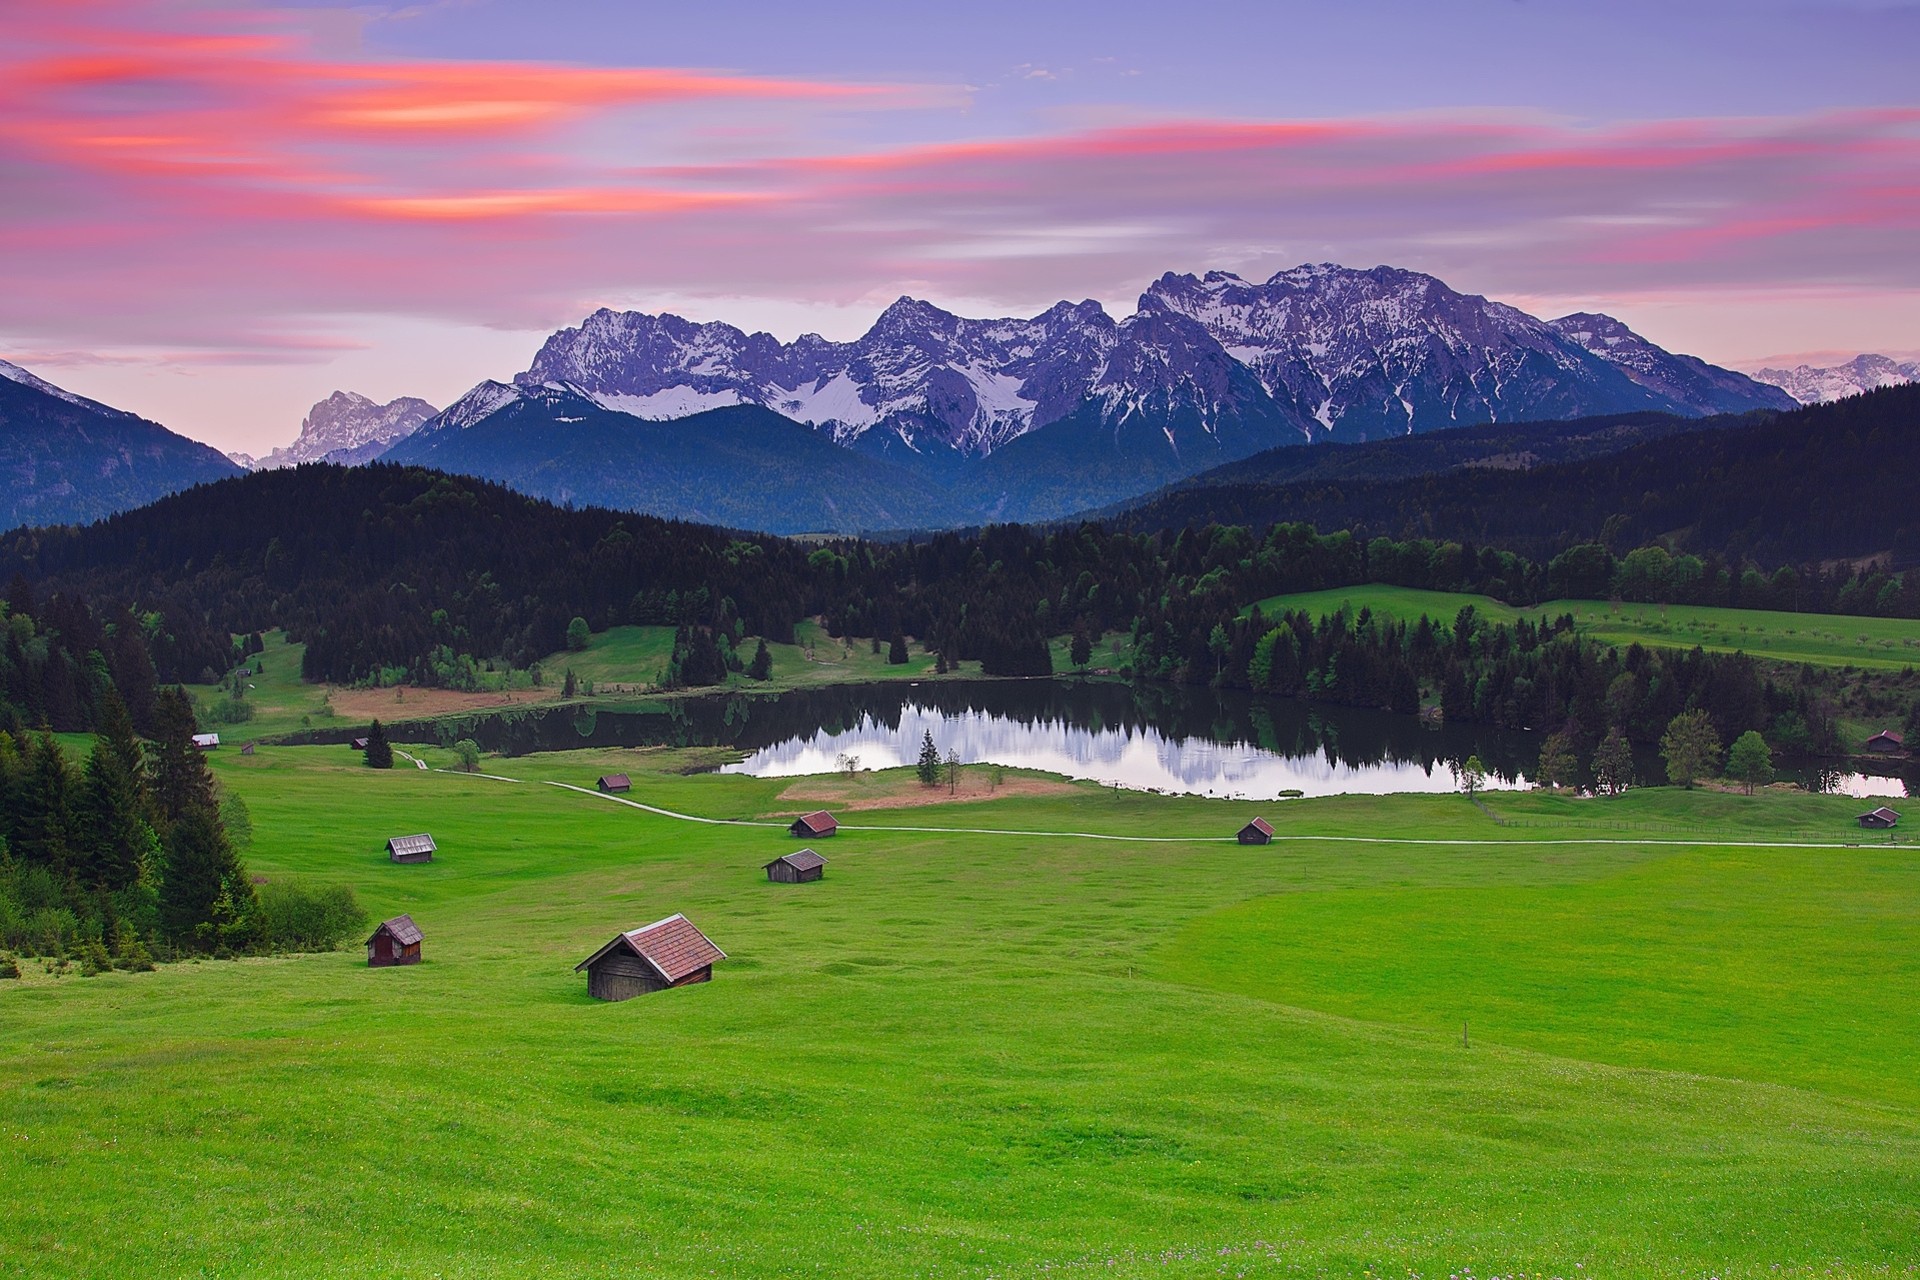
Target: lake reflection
1196,742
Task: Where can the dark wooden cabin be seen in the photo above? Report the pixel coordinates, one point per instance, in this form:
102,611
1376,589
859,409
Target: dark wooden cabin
797,868
666,953
396,941
207,741
411,849
1259,831
612,782
247,750
1887,740
358,744
1879,819
817,825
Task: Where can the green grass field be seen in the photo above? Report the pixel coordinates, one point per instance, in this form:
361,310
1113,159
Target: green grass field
1822,639
998,1055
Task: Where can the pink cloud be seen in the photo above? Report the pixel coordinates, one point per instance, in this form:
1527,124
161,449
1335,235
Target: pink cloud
195,181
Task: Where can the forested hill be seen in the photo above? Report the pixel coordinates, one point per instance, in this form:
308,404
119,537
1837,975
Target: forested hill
1827,482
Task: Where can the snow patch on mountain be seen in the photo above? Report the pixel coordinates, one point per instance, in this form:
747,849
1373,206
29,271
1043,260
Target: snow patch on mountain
1688,381
14,373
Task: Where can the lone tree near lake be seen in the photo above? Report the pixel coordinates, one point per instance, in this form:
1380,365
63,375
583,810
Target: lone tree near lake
928,767
1613,763
1691,748
379,750
1557,764
1750,760
1473,775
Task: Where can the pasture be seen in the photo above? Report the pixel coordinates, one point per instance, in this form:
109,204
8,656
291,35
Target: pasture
1822,639
982,1055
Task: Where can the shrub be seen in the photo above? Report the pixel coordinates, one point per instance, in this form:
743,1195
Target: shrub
298,917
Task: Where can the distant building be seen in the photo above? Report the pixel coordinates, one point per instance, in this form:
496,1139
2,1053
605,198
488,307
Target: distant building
796,868
358,744
612,782
666,953
1259,831
1887,740
247,750
206,741
396,941
411,849
1879,819
817,825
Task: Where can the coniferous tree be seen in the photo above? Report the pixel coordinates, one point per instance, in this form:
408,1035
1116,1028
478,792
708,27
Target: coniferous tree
43,828
114,836
761,668
897,650
205,897
379,750
928,768
181,781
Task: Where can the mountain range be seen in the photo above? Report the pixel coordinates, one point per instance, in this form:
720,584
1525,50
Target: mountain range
65,459
347,428
1037,418
1813,384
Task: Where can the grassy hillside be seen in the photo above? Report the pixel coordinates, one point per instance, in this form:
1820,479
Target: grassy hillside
972,1055
1818,638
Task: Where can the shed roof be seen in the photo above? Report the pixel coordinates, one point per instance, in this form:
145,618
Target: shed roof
1889,735
818,821
1261,825
206,739
1883,813
411,844
672,946
404,930
801,860
612,780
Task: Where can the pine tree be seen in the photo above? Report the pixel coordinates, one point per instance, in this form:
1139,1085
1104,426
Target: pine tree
761,667
928,768
379,750
206,899
181,781
43,827
114,837
1081,652
897,650
115,732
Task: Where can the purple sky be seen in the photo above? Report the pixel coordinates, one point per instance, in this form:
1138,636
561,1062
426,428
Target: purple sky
215,213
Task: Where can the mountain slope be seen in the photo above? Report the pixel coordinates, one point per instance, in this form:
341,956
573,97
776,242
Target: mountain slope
1814,384
1822,482
65,459
739,466
348,428
1687,381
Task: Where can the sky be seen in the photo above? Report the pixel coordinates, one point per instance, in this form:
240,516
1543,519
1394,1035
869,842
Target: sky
215,214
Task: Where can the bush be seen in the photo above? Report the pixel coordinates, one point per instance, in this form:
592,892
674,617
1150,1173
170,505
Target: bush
297,917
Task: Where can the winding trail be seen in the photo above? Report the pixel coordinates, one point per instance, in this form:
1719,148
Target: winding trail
1431,841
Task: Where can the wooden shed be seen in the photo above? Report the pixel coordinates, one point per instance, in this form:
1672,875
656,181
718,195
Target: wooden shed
1887,740
817,825
666,953
411,849
396,941
358,744
247,750
797,868
207,741
612,782
1879,819
1259,831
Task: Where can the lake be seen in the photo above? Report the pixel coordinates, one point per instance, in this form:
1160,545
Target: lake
1182,740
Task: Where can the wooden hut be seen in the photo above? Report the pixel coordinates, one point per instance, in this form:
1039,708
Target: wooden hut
612,782
817,825
1879,819
396,941
247,750
411,849
1887,740
666,953
796,868
207,741
358,744
1259,831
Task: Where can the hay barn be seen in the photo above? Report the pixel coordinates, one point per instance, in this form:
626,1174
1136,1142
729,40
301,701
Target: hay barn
666,953
797,868
817,825
609,783
1259,831
1879,819
411,849
396,941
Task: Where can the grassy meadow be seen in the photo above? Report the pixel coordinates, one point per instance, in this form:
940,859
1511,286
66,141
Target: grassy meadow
1821,639
1001,1055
